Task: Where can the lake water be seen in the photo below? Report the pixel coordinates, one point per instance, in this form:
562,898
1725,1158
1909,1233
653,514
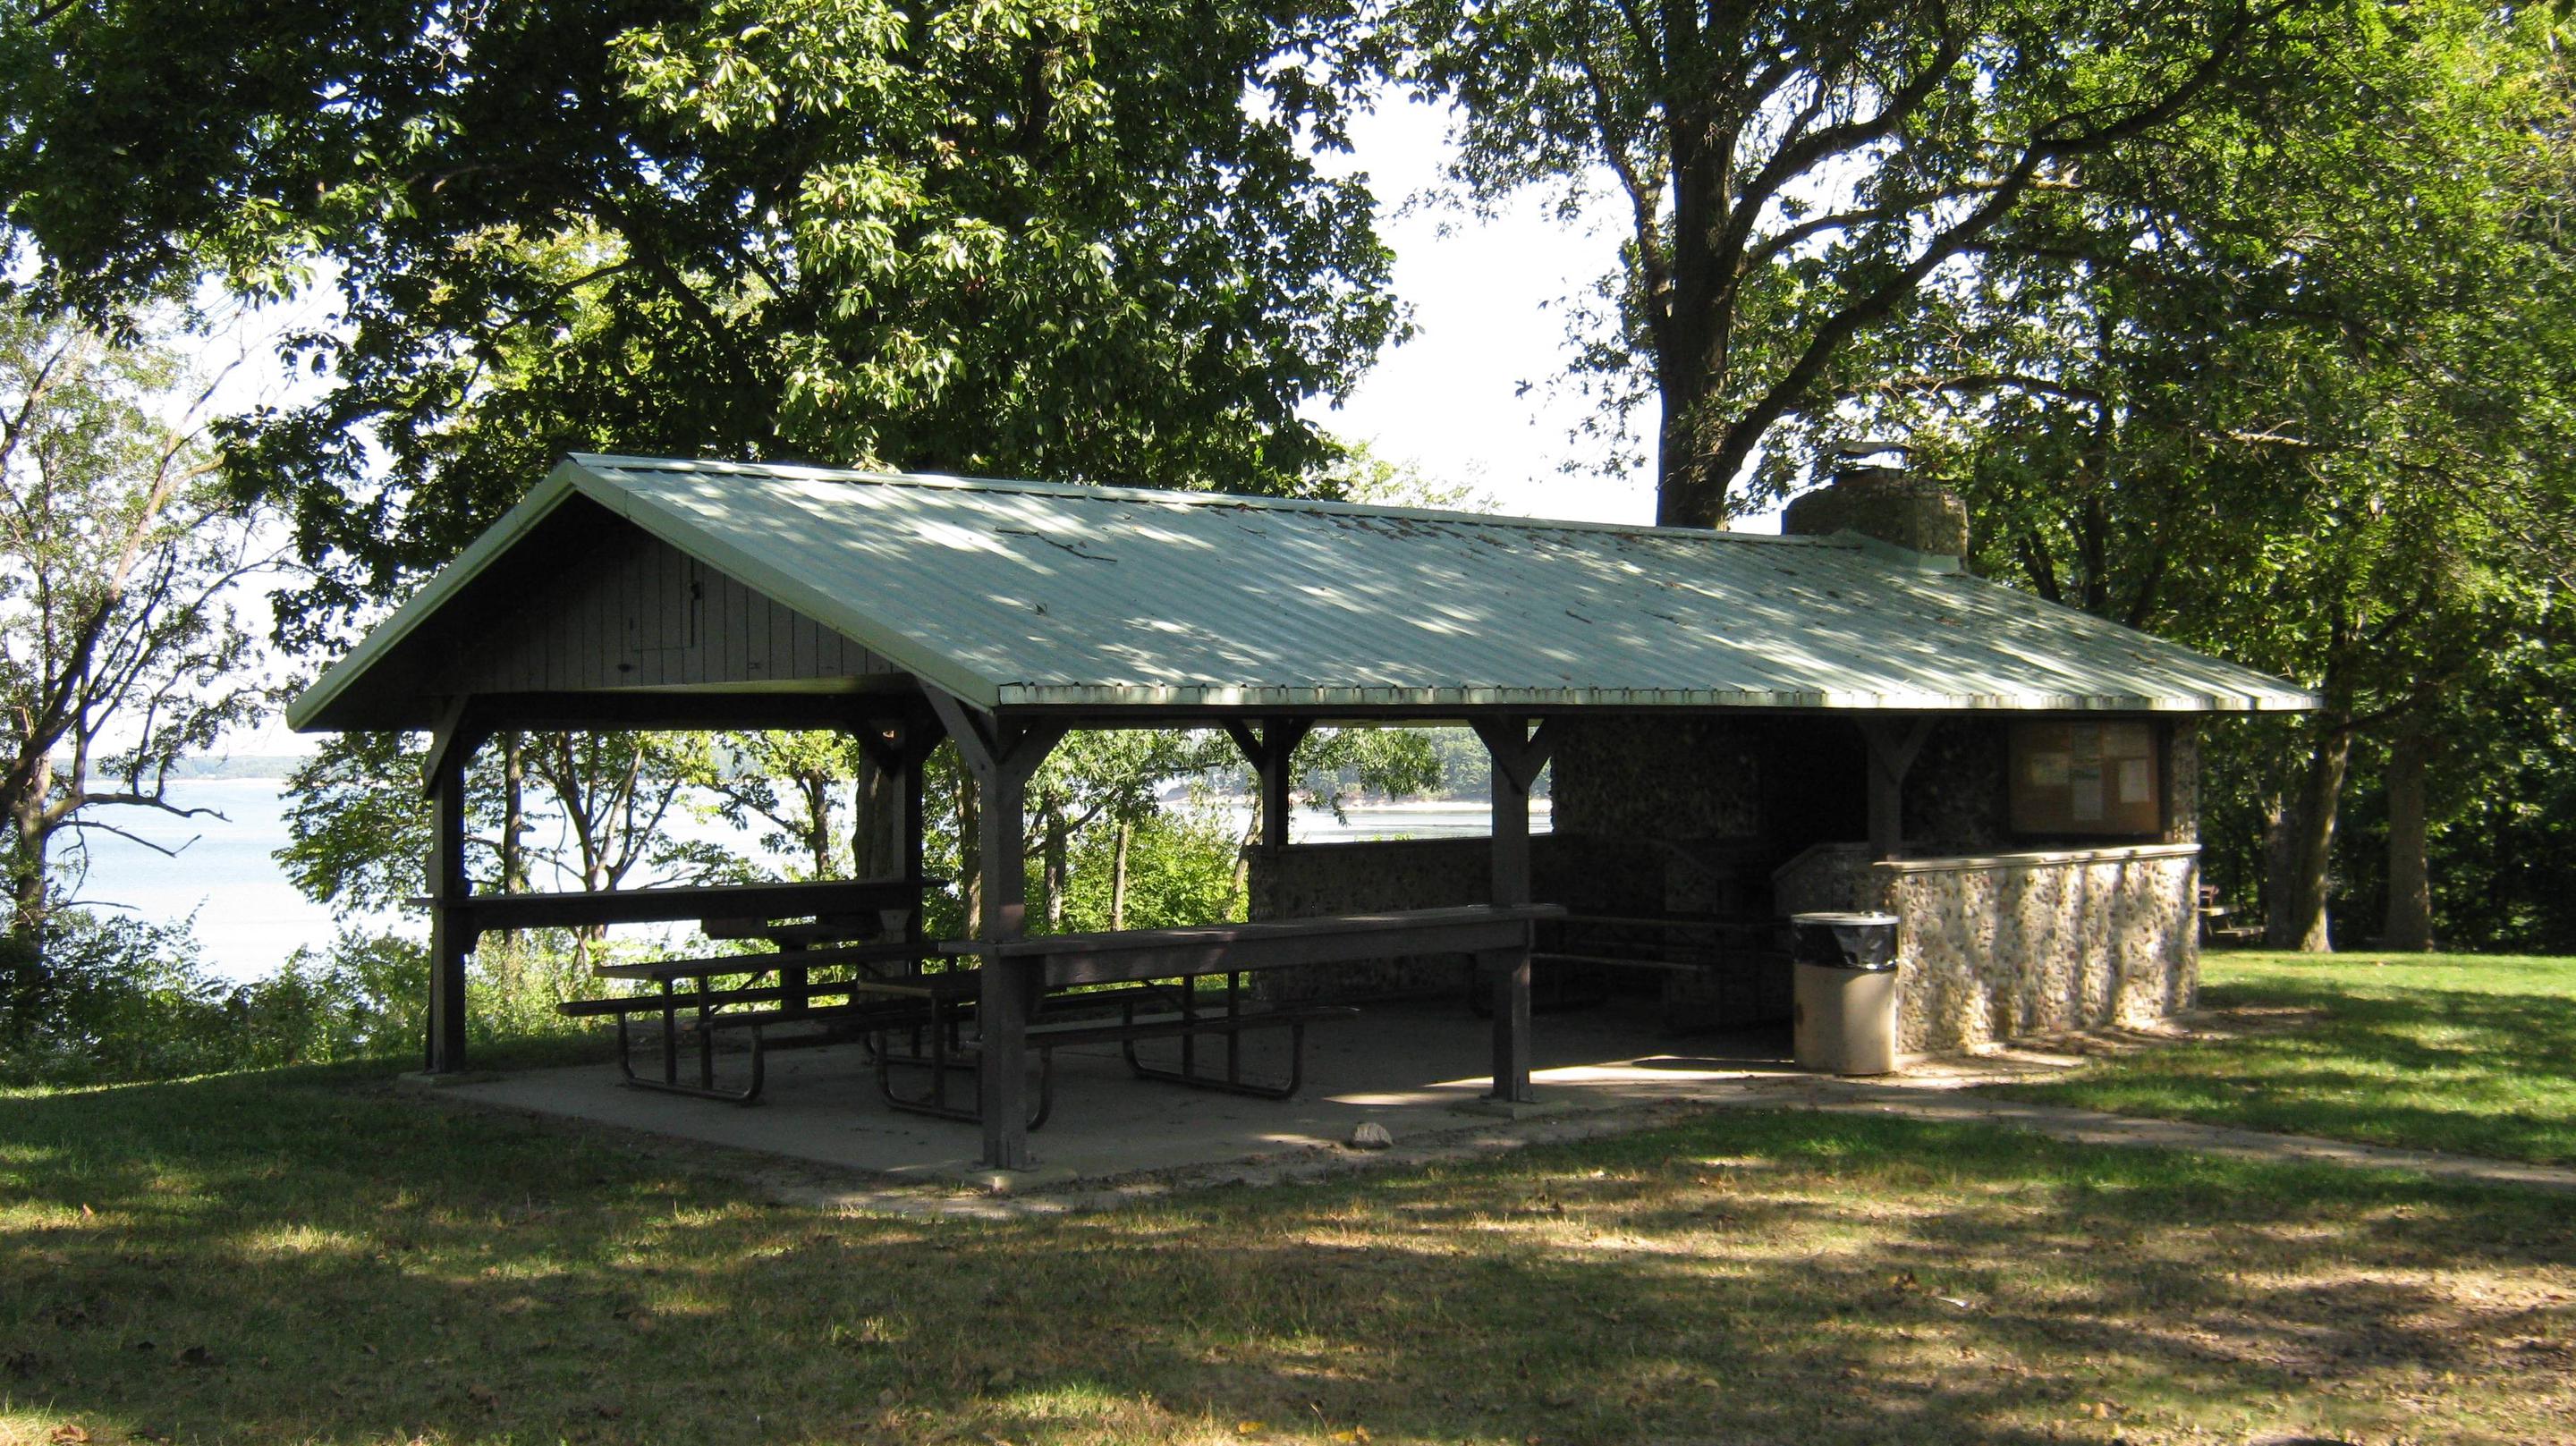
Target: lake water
249,918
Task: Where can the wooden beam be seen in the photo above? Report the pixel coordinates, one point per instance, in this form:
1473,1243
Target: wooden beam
1271,752
1517,757
1245,739
1515,748
458,730
482,913
1508,972
899,741
1002,756
1517,754
645,710
915,827
1894,743
897,748
1133,954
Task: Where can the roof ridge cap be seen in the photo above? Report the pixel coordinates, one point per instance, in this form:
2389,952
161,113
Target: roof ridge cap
1175,496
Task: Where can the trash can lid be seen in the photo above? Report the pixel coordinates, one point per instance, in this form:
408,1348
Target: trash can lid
1845,920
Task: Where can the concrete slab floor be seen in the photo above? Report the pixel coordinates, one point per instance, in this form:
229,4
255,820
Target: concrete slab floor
1417,1068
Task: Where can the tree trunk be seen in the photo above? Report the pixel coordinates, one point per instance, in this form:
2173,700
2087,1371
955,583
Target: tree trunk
23,978
2312,841
876,823
1243,853
28,849
817,788
1052,850
2410,887
1690,490
514,814
970,854
28,905
2280,865
1118,878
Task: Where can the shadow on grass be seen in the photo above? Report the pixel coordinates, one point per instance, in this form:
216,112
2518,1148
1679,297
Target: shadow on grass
316,1256
2466,1071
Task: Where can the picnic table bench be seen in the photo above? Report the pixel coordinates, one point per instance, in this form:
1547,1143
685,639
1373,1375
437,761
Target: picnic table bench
711,1008
1059,988
948,998
1675,945
854,928
2214,928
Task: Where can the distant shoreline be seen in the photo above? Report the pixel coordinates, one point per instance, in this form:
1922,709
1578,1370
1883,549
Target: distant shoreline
274,767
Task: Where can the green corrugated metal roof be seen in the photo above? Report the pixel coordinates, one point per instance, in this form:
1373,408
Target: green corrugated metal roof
1010,594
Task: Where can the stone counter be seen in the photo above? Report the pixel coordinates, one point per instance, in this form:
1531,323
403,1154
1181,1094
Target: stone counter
2002,946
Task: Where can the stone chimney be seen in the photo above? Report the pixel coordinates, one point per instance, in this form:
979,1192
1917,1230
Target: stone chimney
1887,503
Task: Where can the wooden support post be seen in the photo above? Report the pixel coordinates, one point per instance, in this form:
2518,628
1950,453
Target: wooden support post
1270,753
1893,745
1510,974
451,938
915,830
899,750
1002,757
1518,755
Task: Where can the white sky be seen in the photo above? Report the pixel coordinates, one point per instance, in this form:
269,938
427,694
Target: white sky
1485,293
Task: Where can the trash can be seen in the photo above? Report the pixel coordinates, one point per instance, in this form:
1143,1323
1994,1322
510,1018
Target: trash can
1846,992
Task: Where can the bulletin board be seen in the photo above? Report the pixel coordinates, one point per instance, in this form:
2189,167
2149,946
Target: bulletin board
2086,778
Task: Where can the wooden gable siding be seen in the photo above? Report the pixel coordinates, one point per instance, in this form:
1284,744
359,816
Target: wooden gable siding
639,613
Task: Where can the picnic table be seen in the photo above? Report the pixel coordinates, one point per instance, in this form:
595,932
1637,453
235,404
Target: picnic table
1183,984
854,931
1731,951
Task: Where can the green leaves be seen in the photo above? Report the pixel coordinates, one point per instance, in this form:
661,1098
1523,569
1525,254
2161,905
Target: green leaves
1804,182
1032,237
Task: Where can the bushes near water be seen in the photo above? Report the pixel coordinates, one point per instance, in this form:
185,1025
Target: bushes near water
118,999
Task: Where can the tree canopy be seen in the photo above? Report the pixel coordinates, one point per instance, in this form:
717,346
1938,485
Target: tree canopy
1031,237
1796,175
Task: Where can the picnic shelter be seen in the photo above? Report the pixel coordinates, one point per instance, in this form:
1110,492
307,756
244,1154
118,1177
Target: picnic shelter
1738,726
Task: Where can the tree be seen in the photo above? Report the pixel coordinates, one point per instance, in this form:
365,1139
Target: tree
1111,783
1035,236
119,651
1796,176
2283,382
1112,779
791,783
359,827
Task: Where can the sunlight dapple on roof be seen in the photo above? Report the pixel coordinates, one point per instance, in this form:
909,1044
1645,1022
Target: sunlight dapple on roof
1022,594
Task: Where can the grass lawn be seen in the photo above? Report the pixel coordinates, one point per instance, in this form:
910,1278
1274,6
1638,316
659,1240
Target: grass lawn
320,1256
2468,1053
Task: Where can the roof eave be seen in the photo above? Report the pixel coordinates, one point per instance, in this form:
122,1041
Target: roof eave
1366,696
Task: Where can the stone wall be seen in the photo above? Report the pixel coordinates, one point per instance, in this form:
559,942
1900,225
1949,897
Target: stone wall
1822,880
1657,777
2009,945
1792,782
1750,817
2182,781
1349,878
